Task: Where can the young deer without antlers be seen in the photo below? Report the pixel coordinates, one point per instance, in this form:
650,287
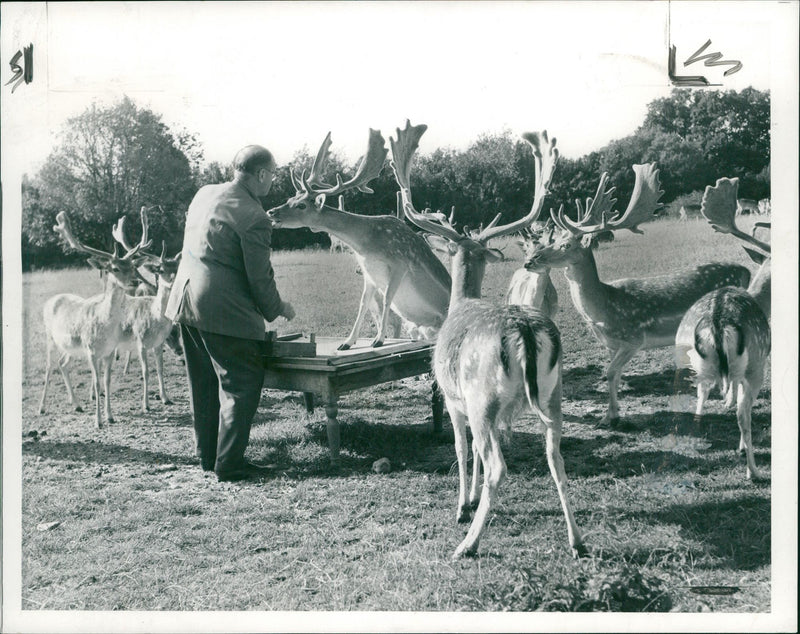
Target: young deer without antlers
490,360
92,326
629,314
394,260
144,326
725,336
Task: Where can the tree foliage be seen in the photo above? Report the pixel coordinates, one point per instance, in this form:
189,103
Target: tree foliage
112,161
109,163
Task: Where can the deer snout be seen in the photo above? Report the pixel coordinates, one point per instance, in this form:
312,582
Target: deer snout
274,216
532,263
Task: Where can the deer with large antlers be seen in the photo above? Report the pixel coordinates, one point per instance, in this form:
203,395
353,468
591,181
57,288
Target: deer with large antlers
490,361
144,326
395,261
632,314
92,326
725,336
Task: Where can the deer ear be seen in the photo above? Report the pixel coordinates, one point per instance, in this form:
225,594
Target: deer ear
319,201
757,257
440,244
494,255
588,242
96,263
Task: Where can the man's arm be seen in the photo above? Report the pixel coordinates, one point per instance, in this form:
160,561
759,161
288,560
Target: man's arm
256,250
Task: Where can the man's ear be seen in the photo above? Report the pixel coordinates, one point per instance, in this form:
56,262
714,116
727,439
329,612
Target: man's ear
440,244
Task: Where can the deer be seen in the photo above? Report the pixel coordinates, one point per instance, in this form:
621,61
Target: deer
746,206
395,261
144,326
532,288
631,314
92,326
490,360
725,336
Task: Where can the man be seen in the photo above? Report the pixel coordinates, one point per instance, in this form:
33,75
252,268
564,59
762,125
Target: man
223,292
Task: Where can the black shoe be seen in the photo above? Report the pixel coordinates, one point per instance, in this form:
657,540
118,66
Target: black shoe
245,471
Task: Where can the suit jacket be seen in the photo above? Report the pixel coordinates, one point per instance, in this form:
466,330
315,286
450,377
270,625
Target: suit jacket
225,283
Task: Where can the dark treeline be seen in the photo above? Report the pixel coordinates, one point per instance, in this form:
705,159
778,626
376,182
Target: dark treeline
110,162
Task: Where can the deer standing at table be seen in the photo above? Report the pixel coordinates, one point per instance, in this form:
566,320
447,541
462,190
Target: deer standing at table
632,314
144,326
93,325
490,360
395,261
725,336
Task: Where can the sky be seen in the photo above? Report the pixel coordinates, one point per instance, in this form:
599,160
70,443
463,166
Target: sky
284,74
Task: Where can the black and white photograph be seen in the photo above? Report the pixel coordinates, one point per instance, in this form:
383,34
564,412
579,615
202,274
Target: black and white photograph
399,316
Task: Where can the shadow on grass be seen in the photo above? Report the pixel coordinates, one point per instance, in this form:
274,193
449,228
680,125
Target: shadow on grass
588,383
101,453
735,533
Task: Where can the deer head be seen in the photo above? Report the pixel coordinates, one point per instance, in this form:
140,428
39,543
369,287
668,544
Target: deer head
312,190
568,239
121,269
440,231
159,265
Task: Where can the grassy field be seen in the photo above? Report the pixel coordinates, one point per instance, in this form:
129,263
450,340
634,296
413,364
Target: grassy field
662,501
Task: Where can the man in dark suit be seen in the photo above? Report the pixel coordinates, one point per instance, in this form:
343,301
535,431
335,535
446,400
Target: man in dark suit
223,293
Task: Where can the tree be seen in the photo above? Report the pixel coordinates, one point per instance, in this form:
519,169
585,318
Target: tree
110,162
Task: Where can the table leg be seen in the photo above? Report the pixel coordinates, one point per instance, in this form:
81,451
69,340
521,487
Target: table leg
437,405
308,397
331,411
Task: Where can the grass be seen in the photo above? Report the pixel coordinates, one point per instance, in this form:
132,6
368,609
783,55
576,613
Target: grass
663,501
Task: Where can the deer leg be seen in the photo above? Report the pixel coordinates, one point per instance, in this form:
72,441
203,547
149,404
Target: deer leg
549,403
619,358
485,435
94,365
474,492
63,365
366,297
459,421
556,464
107,388
145,376
46,374
388,296
744,406
127,362
162,389
703,388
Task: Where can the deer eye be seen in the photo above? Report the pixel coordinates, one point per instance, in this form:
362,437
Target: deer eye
301,205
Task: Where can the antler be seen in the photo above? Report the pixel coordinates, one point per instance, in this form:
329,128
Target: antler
545,154
64,229
641,207
119,233
719,208
369,168
402,152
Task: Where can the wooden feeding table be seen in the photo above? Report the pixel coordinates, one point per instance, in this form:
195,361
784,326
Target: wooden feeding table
312,365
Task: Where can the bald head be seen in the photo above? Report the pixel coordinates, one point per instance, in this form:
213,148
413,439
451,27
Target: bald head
252,158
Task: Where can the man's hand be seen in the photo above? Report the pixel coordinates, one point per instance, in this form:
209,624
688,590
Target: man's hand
287,310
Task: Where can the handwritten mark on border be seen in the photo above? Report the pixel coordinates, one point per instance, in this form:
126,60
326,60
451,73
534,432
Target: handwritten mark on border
710,59
22,73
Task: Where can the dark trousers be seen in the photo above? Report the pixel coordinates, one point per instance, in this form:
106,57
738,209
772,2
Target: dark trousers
226,375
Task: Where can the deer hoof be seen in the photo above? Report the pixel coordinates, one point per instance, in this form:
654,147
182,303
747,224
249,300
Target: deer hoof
377,343
465,551
78,408
579,550
166,401
344,346
464,514
755,476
